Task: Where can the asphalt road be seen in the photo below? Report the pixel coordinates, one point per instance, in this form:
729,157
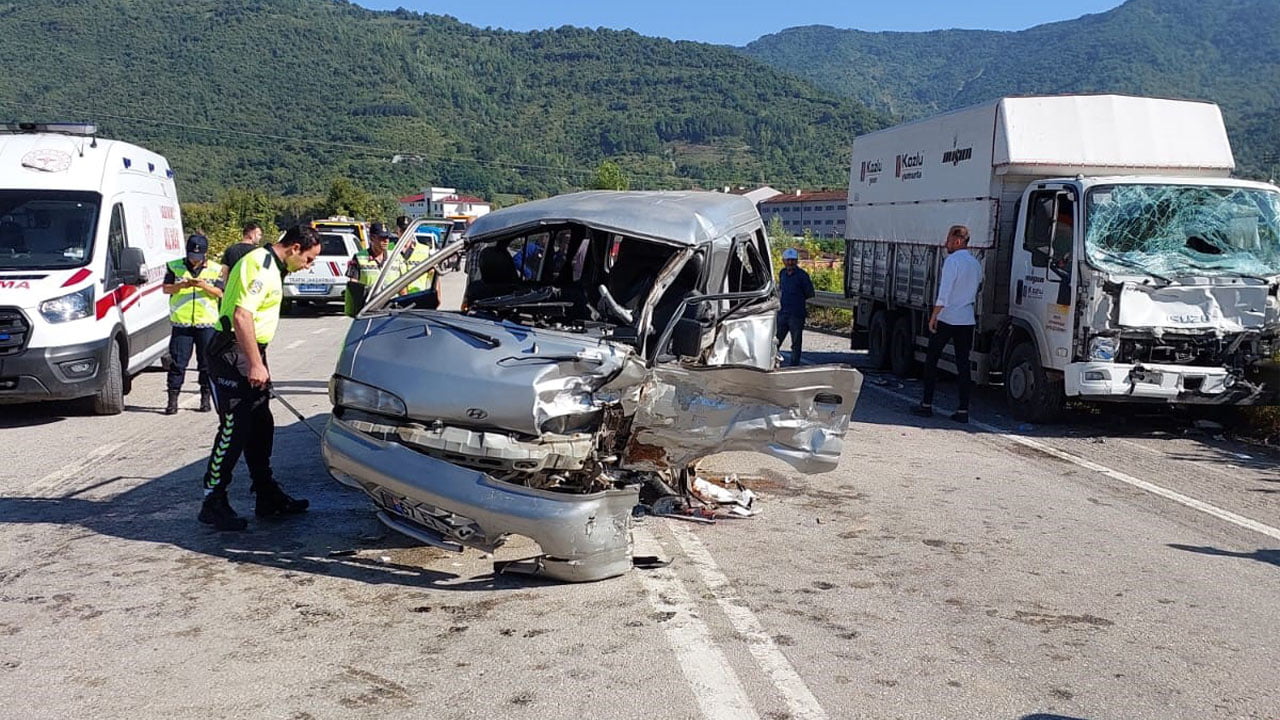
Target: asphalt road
1116,566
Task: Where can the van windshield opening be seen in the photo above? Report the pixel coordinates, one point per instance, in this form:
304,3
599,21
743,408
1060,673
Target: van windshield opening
46,229
1171,230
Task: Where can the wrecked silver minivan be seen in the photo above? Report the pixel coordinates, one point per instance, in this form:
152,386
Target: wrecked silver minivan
606,342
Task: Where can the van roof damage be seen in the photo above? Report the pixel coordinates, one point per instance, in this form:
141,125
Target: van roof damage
681,218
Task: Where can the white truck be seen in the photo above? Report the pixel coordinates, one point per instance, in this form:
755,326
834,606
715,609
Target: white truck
1122,262
86,227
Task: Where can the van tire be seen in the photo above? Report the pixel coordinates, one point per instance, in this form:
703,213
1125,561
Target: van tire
1032,394
110,398
878,341
902,348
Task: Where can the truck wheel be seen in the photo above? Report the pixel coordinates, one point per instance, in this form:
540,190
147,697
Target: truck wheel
1032,395
110,399
902,348
878,341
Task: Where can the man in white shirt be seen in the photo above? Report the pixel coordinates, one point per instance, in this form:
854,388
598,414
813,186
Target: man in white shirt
952,320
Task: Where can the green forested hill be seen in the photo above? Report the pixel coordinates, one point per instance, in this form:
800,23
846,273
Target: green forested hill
1227,51
485,111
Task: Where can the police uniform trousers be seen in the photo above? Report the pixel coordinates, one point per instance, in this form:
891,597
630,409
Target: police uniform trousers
245,424
185,340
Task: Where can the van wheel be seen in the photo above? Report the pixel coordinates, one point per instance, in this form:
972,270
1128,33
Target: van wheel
1032,395
286,307
878,341
902,348
110,398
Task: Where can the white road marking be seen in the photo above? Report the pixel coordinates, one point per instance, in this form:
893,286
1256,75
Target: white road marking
294,345
1194,504
800,700
716,686
320,331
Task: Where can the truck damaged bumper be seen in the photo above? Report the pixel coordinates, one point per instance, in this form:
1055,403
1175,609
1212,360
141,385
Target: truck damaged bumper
583,537
1168,383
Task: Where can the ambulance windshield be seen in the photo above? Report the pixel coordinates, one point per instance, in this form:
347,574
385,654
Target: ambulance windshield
46,230
1171,230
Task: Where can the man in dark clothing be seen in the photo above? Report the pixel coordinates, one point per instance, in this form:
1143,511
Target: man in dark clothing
795,290
250,236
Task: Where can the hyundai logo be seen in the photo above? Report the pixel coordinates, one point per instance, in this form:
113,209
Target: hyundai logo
476,414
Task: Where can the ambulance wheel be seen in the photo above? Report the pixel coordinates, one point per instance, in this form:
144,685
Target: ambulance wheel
110,398
286,307
878,341
1033,394
902,347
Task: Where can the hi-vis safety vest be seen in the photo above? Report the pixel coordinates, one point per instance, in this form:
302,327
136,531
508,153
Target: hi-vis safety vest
256,284
420,254
193,307
366,272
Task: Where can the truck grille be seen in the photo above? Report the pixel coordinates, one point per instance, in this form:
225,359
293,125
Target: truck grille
14,331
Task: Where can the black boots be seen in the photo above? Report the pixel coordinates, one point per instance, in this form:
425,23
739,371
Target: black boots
217,512
206,400
172,407
273,502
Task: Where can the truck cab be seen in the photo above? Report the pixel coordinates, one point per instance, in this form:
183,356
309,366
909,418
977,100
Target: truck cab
1145,289
87,226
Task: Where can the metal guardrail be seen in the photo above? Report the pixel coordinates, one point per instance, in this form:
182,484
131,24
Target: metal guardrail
833,300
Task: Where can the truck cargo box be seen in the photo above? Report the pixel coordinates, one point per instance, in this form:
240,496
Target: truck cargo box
909,183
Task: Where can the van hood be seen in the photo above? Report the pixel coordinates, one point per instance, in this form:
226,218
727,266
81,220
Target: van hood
26,289
1222,308
470,372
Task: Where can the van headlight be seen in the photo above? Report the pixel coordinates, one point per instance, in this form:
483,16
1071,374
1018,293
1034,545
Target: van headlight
78,304
347,393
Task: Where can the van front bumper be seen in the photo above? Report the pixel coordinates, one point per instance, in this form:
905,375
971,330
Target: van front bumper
582,537
53,373
1159,383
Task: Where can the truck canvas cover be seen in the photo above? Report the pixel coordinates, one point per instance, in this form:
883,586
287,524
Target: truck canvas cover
938,163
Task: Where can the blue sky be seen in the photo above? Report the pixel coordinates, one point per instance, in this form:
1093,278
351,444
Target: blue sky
737,23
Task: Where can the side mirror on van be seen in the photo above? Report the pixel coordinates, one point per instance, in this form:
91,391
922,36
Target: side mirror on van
132,261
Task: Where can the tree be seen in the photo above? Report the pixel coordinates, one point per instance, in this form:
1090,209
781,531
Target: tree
347,198
609,177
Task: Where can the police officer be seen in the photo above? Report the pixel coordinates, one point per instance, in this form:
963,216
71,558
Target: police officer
194,286
363,270
241,381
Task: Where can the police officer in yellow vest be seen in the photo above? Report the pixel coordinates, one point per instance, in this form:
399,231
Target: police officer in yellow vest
363,270
194,287
241,381
418,254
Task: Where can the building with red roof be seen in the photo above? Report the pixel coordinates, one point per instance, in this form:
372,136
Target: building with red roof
444,202
821,211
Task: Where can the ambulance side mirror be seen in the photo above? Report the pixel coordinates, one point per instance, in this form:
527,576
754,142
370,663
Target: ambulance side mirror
131,263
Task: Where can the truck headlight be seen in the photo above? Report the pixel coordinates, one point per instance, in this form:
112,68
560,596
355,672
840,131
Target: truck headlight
1102,349
347,393
78,304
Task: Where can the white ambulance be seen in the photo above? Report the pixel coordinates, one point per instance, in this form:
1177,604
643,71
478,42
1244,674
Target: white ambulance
86,227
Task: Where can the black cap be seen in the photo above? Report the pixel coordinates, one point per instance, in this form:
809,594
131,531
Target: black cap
379,230
197,245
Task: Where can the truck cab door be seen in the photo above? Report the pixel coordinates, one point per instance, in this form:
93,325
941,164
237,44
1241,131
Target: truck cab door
1044,269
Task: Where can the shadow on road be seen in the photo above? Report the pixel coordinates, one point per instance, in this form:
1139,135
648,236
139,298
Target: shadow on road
323,541
1263,555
